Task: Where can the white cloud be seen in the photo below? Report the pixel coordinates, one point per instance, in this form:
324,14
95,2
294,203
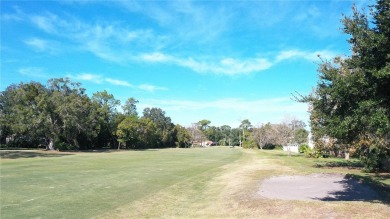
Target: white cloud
41,45
33,72
88,77
98,79
188,21
300,54
17,16
118,82
234,66
122,45
46,23
150,88
37,43
227,66
156,57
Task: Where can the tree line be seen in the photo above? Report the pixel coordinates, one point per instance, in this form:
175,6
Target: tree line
61,116
248,136
350,107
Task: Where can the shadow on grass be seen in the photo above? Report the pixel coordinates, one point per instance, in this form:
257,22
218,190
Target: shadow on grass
30,154
361,188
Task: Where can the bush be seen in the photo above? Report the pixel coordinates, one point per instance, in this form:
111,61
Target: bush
304,148
269,147
249,144
62,146
313,153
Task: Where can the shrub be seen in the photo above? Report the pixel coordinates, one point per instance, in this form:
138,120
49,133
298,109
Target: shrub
304,148
249,144
269,146
313,153
62,146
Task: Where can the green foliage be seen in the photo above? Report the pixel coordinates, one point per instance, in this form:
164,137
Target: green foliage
351,102
183,137
340,163
300,136
63,146
130,108
376,160
105,106
304,148
137,133
250,144
313,153
270,146
164,127
64,116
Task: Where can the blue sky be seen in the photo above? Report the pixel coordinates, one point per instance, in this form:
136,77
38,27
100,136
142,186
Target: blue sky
224,61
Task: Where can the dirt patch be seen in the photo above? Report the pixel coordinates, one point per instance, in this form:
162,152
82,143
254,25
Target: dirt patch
322,187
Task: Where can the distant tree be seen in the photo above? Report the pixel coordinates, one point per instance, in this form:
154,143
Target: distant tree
300,136
203,126
148,133
22,108
165,128
214,133
245,125
106,107
263,135
183,136
130,108
226,132
60,112
127,132
282,134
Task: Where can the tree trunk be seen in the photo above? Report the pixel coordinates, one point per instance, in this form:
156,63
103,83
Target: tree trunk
51,145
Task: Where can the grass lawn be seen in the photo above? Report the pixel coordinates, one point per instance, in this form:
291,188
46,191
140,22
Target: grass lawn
169,183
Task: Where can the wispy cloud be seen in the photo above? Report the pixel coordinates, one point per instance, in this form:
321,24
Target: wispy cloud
17,16
41,45
235,66
37,43
188,21
151,88
118,82
228,66
156,57
46,23
34,72
308,55
99,79
120,44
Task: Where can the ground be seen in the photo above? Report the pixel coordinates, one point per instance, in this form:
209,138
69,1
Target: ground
182,183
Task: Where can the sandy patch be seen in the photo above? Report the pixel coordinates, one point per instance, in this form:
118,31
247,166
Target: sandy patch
323,187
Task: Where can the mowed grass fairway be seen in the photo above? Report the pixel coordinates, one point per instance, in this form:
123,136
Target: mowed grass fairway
218,182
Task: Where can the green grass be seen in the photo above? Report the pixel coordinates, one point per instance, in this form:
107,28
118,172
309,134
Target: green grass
217,182
82,185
